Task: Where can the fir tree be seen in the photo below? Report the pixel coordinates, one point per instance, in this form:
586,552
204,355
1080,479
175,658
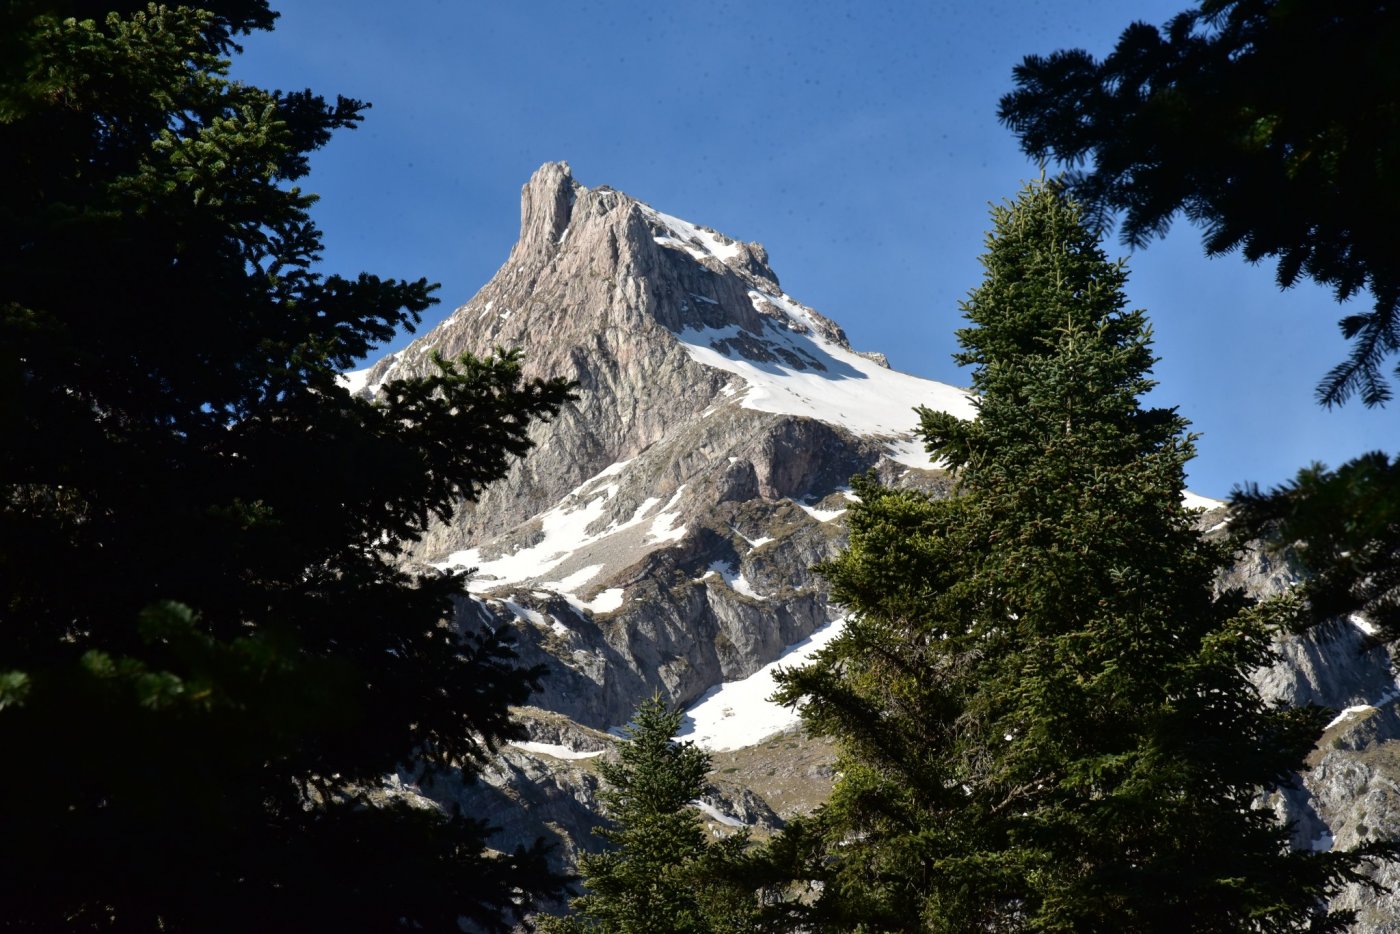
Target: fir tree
209,654
1272,125
660,873
1041,704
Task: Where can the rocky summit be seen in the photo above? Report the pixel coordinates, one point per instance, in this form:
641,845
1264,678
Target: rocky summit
660,537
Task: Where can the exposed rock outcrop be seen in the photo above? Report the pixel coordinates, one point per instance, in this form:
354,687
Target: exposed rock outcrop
1351,792
660,536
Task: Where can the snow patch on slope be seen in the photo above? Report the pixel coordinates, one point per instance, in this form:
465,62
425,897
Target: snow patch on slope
1364,624
738,713
574,581
697,241
808,375
606,601
821,515
563,531
732,577
524,612
556,750
1351,712
715,814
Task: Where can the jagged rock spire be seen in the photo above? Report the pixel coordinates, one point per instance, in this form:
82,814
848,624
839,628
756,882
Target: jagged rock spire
546,203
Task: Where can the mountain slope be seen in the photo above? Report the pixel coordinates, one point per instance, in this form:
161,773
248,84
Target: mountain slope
660,537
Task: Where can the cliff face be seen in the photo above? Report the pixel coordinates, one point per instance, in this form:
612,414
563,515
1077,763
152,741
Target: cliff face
660,537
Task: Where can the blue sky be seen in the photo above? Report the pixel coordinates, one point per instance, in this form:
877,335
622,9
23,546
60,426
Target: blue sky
857,141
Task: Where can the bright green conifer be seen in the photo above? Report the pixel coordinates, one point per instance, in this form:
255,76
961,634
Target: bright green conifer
660,872
1041,702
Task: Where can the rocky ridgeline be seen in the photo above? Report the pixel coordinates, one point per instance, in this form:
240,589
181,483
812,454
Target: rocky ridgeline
595,290
660,537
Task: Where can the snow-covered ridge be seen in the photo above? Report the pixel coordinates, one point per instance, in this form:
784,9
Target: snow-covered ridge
699,242
1197,501
793,368
806,374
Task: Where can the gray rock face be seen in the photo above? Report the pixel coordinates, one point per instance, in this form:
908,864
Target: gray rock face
594,291
660,536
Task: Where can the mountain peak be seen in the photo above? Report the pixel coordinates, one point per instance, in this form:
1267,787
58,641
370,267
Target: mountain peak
679,336
619,229
546,204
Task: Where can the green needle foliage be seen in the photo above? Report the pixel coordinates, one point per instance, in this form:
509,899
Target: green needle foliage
1273,125
660,872
209,655
1041,704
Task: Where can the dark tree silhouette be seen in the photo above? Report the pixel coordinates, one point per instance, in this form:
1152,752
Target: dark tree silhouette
209,656
1271,124
1041,704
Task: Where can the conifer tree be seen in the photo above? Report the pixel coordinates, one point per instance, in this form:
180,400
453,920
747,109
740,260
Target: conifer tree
210,656
1040,702
660,873
1271,125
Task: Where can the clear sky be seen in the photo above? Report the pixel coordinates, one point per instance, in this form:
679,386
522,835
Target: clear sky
857,141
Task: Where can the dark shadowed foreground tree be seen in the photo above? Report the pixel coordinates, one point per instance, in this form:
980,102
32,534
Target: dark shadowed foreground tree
208,655
1040,702
660,873
1272,124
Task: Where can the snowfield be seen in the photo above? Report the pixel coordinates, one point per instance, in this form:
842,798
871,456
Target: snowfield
736,714
829,383
556,750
